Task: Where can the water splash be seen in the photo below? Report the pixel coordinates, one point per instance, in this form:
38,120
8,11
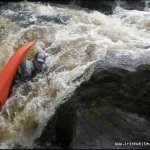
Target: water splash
71,48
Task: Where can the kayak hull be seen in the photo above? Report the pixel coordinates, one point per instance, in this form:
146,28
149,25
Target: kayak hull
9,70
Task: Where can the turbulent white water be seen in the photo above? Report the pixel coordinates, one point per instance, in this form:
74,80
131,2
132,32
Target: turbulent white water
73,40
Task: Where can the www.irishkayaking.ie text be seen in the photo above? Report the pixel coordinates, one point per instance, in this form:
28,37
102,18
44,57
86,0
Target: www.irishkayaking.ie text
132,144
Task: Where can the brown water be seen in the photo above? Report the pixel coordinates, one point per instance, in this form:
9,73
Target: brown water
73,40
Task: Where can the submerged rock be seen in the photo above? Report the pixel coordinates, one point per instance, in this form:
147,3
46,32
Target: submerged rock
6,27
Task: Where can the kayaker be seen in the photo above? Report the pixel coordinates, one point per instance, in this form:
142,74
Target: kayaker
28,69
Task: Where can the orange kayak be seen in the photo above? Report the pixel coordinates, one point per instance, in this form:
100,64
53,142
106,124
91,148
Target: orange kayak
9,70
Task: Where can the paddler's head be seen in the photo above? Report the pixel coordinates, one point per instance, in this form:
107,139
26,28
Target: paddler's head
39,60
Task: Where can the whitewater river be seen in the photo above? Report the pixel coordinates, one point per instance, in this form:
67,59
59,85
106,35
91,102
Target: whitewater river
73,40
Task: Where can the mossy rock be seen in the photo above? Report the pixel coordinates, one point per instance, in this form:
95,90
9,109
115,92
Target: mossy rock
112,103
118,87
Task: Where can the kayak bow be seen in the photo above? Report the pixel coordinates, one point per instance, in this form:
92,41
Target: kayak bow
9,70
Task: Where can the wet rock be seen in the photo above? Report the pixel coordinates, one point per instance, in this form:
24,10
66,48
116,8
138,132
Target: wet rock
56,19
104,6
60,129
112,106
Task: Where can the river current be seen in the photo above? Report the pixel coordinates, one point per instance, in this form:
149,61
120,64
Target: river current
73,39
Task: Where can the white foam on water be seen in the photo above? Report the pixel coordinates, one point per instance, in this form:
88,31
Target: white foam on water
70,48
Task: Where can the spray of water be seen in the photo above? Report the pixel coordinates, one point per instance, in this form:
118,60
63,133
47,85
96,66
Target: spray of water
73,44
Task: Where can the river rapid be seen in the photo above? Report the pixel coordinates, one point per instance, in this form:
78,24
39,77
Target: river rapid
73,39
